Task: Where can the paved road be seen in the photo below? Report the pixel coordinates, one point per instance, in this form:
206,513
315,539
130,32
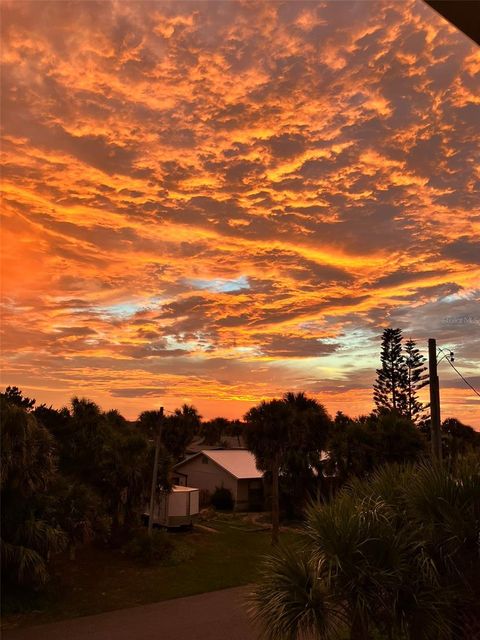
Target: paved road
218,615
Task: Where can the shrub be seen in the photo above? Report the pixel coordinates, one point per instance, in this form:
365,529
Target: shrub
222,499
150,549
182,553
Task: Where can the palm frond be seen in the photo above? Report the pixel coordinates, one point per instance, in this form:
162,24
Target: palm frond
41,536
291,601
26,565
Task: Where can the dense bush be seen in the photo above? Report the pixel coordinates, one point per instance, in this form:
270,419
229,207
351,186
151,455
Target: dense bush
222,499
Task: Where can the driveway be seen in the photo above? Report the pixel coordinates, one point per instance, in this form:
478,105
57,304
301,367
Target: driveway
217,615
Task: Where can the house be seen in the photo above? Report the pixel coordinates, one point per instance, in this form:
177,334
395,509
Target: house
234,469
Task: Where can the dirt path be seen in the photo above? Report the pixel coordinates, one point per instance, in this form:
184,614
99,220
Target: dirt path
210,616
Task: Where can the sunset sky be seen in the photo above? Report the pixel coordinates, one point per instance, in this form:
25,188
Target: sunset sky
217,202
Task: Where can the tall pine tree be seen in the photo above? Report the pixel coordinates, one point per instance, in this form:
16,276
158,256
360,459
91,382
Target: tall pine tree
417,378
389,389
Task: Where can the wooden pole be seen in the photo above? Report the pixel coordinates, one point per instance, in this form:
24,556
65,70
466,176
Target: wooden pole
275,501
436,438
155,473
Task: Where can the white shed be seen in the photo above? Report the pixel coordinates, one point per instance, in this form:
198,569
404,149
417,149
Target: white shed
176,508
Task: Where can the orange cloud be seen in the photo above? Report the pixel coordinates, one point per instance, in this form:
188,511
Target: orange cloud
222,201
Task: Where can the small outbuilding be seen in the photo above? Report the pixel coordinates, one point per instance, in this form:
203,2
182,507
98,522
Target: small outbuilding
177,508
233,469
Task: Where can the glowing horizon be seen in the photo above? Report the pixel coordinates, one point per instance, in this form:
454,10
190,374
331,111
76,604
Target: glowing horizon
215,203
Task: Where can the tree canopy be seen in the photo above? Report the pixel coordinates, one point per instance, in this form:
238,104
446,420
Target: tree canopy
356,447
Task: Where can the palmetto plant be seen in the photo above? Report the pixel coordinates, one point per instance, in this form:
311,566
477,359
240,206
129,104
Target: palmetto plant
393,557
292,599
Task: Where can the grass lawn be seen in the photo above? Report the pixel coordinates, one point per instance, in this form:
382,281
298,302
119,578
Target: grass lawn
102,580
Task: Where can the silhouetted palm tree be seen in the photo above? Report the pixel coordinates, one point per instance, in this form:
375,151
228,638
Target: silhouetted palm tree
302,466
268,436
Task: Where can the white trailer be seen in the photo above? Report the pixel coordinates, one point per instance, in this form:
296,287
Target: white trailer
177,508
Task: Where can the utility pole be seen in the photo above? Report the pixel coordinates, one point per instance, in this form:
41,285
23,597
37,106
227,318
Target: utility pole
155,472
436,437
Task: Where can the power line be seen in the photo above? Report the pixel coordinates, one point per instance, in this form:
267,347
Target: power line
458,372
464,379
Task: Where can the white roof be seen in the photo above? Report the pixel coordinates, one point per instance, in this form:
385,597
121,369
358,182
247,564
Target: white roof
238,462
178,488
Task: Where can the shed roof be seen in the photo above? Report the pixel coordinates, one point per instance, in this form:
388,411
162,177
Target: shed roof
238,462
178,488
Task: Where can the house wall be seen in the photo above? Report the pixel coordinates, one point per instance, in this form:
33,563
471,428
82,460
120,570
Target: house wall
242,501
207,477
246,499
